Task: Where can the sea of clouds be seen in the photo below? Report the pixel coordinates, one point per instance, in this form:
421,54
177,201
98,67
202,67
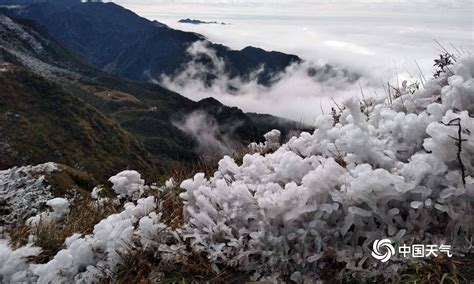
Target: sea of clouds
380,40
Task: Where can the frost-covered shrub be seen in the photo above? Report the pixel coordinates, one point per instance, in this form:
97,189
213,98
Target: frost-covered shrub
295,211
59,209
86,259
128,183
443,140
14,263
90,258
272,142
24,191
83,256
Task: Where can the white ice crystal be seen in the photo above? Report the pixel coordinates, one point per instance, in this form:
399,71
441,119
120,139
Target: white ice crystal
7,24
170,183
27,46
59,209
23,191
85,259
393,172
272,142
14,267
96,192
128,183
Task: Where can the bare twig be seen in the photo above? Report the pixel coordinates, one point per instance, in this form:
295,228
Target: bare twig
421,74
459,140
340,109
455,49
321,106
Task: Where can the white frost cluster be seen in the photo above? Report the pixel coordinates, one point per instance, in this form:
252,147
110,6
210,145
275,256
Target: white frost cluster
96,192
59,209
272,143
86,259
14,267
16,35
128,183
23,191
6,24
325,197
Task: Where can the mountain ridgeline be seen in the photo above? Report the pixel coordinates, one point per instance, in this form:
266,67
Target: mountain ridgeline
200,22
122,43
56,107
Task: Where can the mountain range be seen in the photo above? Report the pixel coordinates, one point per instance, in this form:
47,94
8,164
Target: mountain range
200,22
122,43
57,107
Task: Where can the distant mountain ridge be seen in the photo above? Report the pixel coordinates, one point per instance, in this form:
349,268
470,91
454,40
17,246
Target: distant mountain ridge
124,44
199,22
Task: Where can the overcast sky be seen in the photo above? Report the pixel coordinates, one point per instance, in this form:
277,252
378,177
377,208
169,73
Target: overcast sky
278,8
380,39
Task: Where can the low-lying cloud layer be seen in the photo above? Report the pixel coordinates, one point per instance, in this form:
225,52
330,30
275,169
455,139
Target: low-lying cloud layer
298,93
207,133
383,40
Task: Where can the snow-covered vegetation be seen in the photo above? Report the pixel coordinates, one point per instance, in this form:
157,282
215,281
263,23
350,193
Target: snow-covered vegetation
24,192
36,48
59,207
128,183
395,172
400,167
7,23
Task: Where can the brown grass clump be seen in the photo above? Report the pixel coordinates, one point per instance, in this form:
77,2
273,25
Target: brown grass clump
67,178
172,209
141,266
172,204
440,269
19,235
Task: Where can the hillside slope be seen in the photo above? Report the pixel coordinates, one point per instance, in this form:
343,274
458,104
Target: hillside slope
40,122
124,44
41,66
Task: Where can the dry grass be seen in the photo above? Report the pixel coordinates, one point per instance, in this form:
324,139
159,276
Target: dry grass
108,94
84,215
140,266
67,178
439,270
173,209
19,235
172,204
